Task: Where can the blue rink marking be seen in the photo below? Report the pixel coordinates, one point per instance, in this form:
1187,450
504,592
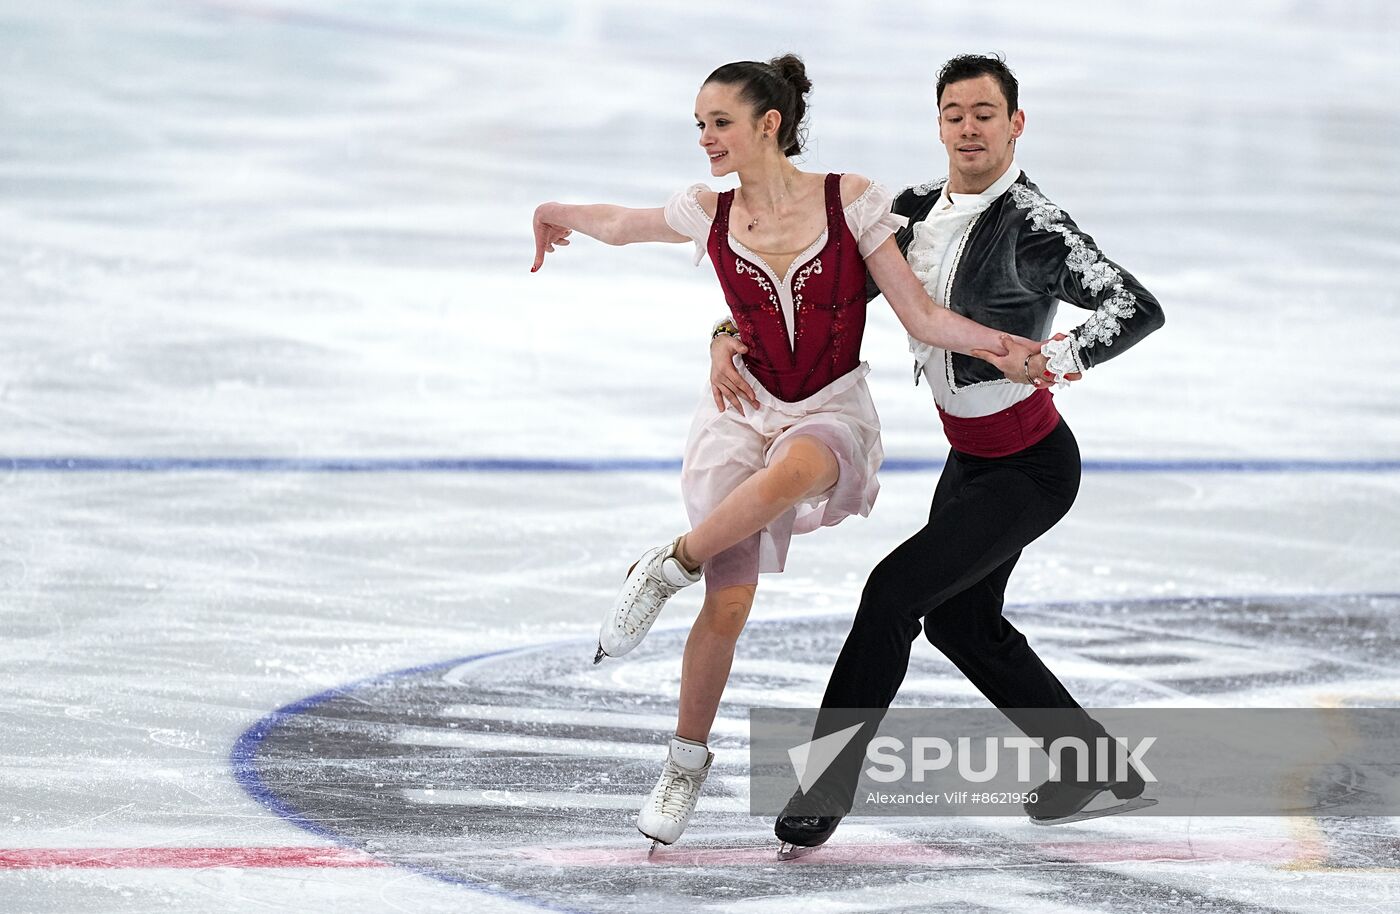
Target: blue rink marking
243,755
620,465
243,759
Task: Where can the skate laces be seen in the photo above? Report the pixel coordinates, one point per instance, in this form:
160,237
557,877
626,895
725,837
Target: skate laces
677,798
652,594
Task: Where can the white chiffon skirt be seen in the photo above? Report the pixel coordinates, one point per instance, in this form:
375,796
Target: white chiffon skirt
725,448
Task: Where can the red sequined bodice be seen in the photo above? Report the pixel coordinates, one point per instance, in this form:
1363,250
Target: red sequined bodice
828,293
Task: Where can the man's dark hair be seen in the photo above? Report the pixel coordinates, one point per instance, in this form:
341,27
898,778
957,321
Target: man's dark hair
971,66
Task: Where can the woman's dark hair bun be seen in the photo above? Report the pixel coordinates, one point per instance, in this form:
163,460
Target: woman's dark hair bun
791,68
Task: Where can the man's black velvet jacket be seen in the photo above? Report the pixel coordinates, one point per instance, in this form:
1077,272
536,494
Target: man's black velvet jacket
1017,258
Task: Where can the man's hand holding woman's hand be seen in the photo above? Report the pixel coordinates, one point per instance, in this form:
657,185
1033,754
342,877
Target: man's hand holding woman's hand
727,385
1023,363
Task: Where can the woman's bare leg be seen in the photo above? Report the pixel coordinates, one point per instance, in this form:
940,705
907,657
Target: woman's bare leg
802,467
709,653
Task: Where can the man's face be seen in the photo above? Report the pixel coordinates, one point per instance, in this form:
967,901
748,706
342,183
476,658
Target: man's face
978,132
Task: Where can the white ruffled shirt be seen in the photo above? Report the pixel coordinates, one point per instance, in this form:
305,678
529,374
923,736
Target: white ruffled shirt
931,255
867,216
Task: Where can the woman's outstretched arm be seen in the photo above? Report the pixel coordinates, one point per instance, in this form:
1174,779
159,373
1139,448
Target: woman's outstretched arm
609,224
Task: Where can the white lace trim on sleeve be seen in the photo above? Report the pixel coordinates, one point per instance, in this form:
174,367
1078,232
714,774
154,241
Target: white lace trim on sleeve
685,214
1095,273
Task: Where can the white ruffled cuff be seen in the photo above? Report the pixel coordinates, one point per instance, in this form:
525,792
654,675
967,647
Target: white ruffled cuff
1063,358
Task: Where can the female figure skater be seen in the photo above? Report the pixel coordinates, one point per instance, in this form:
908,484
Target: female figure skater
791,250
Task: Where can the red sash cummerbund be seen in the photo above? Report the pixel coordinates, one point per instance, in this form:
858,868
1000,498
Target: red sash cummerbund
1006,432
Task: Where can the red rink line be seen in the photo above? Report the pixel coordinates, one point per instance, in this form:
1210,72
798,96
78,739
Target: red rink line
182,858
1273,851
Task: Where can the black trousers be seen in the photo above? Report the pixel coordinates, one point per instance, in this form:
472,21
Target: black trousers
949,580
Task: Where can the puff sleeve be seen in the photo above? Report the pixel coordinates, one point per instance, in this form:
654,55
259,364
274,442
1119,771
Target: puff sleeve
685,214
870,219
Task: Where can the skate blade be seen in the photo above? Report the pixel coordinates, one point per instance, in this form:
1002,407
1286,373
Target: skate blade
598,657
655,845
793,851
1132,805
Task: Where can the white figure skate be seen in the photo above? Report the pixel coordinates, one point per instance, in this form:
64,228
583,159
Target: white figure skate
656,577
668,809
